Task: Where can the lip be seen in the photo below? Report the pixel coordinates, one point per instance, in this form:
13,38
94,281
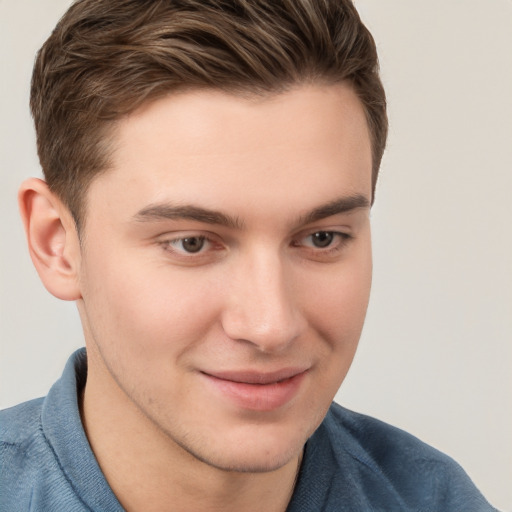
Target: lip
257,391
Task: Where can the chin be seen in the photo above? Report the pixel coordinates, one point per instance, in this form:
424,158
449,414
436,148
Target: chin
259,451
245,463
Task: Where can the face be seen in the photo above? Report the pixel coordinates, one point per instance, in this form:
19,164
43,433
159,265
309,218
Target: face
226,268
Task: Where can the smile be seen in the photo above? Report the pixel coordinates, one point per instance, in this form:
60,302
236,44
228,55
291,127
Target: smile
257,391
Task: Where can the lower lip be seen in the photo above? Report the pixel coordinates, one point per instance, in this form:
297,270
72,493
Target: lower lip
258,397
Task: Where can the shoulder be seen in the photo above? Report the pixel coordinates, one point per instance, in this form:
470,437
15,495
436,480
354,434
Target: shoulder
46,461
416,473
23,450
20,432
19,423
377,442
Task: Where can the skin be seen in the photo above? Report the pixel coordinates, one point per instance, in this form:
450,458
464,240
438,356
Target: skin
262,294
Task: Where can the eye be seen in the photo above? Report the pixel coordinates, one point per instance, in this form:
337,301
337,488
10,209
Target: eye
192,244
192,248
322,239
323,244
188,244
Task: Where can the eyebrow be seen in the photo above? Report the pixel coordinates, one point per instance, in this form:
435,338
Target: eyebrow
336,207
168,211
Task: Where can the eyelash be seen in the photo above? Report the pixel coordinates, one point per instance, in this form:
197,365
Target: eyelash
329,254
333,247
338,243
168,245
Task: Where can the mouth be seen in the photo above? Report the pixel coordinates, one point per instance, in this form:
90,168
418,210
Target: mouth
257,391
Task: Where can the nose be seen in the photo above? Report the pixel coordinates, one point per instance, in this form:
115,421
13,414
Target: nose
261,306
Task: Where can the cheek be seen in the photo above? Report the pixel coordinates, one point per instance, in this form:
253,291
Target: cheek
143,308
143,325
336,315
338,308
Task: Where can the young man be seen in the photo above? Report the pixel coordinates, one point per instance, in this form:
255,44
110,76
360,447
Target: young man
209,170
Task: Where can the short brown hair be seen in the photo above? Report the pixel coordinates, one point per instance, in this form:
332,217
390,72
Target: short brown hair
105,58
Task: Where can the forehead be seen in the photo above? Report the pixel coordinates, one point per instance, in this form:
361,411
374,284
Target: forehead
215,149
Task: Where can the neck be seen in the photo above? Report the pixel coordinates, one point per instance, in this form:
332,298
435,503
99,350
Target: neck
148,471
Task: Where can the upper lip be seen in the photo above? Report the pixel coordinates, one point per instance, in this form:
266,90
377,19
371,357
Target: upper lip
256,377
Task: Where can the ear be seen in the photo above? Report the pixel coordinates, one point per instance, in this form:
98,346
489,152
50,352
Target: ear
52,239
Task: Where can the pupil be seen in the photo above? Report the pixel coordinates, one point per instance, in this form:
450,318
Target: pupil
322,239
193,244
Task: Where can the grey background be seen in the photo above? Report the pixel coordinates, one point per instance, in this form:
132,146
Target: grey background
436,353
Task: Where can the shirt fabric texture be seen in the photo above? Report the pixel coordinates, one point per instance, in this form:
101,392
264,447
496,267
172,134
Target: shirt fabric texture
351,463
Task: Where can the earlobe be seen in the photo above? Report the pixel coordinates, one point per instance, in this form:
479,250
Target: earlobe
52,239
